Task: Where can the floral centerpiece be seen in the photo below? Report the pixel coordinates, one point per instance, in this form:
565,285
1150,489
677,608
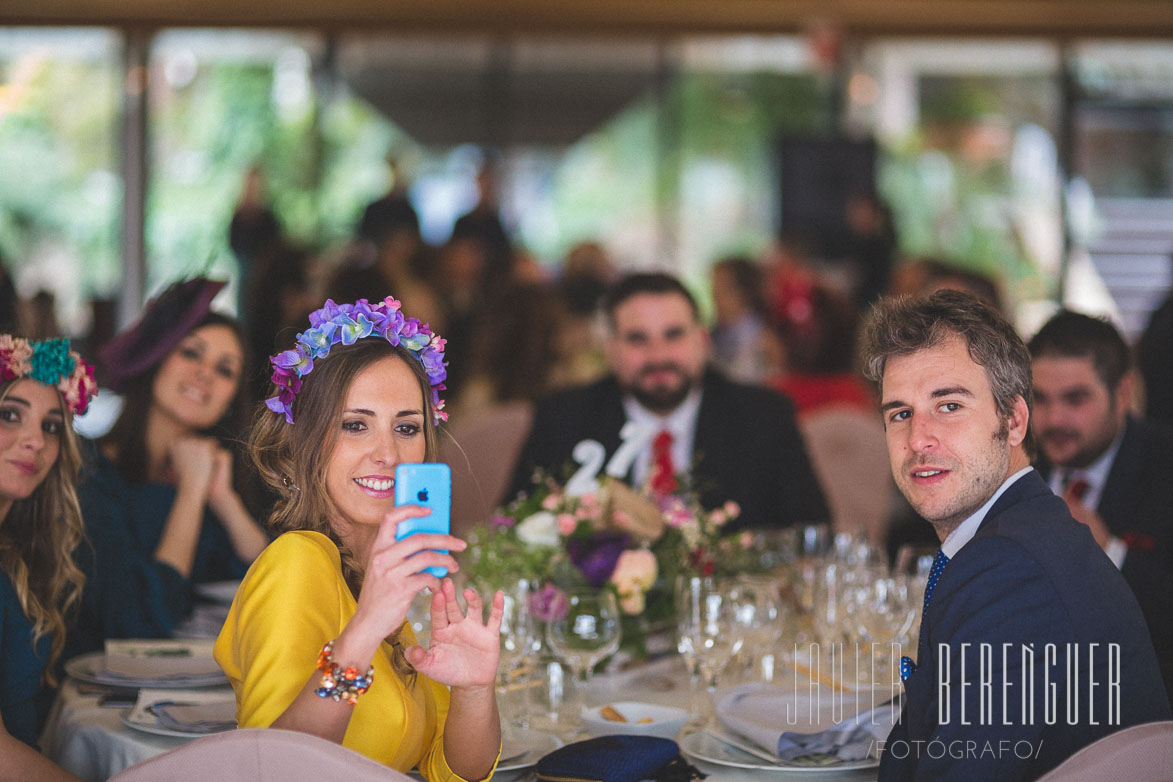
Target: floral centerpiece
635,543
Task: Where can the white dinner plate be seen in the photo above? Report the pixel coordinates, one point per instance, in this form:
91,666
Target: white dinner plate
523,747
703,747
92,668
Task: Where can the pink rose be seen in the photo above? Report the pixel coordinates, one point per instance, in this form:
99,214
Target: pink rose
634,574
566,523
551,502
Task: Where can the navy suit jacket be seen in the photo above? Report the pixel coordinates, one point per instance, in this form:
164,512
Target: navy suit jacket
746,448
1030,577
1136,504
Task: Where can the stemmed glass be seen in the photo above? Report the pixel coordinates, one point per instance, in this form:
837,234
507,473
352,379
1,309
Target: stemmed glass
709,634
757,611
586,634
519,642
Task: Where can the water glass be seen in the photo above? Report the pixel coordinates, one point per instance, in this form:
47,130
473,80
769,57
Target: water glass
586,634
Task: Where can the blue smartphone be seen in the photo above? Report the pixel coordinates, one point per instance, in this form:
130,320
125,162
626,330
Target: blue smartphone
427,484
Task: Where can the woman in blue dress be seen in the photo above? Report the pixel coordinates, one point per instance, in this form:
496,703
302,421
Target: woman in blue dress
158,491
42,385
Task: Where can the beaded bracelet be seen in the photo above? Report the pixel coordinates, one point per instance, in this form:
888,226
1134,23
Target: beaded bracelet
341,684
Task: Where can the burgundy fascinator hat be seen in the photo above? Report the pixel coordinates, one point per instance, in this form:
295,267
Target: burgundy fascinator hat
166,320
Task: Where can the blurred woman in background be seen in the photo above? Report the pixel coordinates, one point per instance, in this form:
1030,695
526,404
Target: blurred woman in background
158,494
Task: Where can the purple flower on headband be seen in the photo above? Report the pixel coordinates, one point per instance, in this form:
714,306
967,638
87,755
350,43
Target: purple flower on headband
501,522
293,361
327,313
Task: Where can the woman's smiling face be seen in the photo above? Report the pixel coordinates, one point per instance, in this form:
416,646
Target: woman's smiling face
197,380
382,426
31,427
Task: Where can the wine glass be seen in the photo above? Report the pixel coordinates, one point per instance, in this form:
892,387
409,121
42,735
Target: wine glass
586,634
757,610
708,628
519,642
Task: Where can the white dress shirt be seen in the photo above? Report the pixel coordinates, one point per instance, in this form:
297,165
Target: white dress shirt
681,422
1096,476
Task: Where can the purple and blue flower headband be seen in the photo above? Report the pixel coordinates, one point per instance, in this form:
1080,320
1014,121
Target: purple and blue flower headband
345,324
51,363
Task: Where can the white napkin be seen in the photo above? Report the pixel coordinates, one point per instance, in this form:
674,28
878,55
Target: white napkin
186,710
845,725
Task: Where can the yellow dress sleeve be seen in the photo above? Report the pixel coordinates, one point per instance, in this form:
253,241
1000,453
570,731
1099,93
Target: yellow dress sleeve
292,601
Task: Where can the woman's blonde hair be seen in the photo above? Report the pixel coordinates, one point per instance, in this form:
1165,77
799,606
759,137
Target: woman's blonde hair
293,458
38,537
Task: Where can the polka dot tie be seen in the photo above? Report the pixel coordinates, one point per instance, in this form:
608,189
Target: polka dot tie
907,666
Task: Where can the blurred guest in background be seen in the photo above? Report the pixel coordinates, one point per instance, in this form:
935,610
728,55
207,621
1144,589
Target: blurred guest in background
927,275
1114,471
44,385
734,442
482,225
1155,360
383,259
279,300
514,360
739,308
9,302
253,230
817,343
317,639
161,506
587,272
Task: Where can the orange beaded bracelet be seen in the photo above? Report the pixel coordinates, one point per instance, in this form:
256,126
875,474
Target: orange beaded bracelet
341,684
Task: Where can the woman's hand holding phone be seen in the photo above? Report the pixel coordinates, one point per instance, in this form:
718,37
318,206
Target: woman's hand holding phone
395,574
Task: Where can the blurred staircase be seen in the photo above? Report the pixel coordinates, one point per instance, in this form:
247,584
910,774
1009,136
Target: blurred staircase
1132,255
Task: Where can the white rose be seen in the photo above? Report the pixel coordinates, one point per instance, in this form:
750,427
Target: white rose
539,529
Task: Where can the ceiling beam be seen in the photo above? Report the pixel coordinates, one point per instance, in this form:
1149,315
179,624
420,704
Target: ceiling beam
1061,18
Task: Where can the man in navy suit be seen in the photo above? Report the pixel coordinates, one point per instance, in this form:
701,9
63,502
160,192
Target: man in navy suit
1115,472
1031,644
662,412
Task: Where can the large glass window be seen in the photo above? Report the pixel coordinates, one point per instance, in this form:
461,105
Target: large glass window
60,188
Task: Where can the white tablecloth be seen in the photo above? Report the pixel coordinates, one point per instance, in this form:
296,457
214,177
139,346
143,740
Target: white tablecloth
92,742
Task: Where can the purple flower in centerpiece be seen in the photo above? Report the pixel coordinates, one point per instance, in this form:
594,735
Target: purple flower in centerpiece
596,557
548,603
499,521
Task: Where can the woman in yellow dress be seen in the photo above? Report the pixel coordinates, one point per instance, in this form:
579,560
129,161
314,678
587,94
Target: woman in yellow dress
317,640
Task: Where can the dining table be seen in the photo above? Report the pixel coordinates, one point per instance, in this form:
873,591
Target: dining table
94,741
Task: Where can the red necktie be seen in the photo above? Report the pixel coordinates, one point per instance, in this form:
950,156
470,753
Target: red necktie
663,473
1077,486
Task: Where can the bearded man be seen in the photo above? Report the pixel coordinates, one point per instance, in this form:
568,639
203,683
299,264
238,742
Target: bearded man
663,416
1114,471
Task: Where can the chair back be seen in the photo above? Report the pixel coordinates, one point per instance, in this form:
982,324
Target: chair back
1141,753
481,452
850,457
260,755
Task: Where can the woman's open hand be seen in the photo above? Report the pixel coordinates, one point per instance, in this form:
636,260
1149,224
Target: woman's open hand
463,651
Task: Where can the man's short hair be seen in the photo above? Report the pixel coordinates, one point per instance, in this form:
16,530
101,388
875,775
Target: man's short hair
646,283
901,326
1071,334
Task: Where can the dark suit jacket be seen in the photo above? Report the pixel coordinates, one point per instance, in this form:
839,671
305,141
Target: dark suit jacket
1031,576
1137,506
747,448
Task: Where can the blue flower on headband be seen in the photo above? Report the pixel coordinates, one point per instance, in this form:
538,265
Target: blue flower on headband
51,361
